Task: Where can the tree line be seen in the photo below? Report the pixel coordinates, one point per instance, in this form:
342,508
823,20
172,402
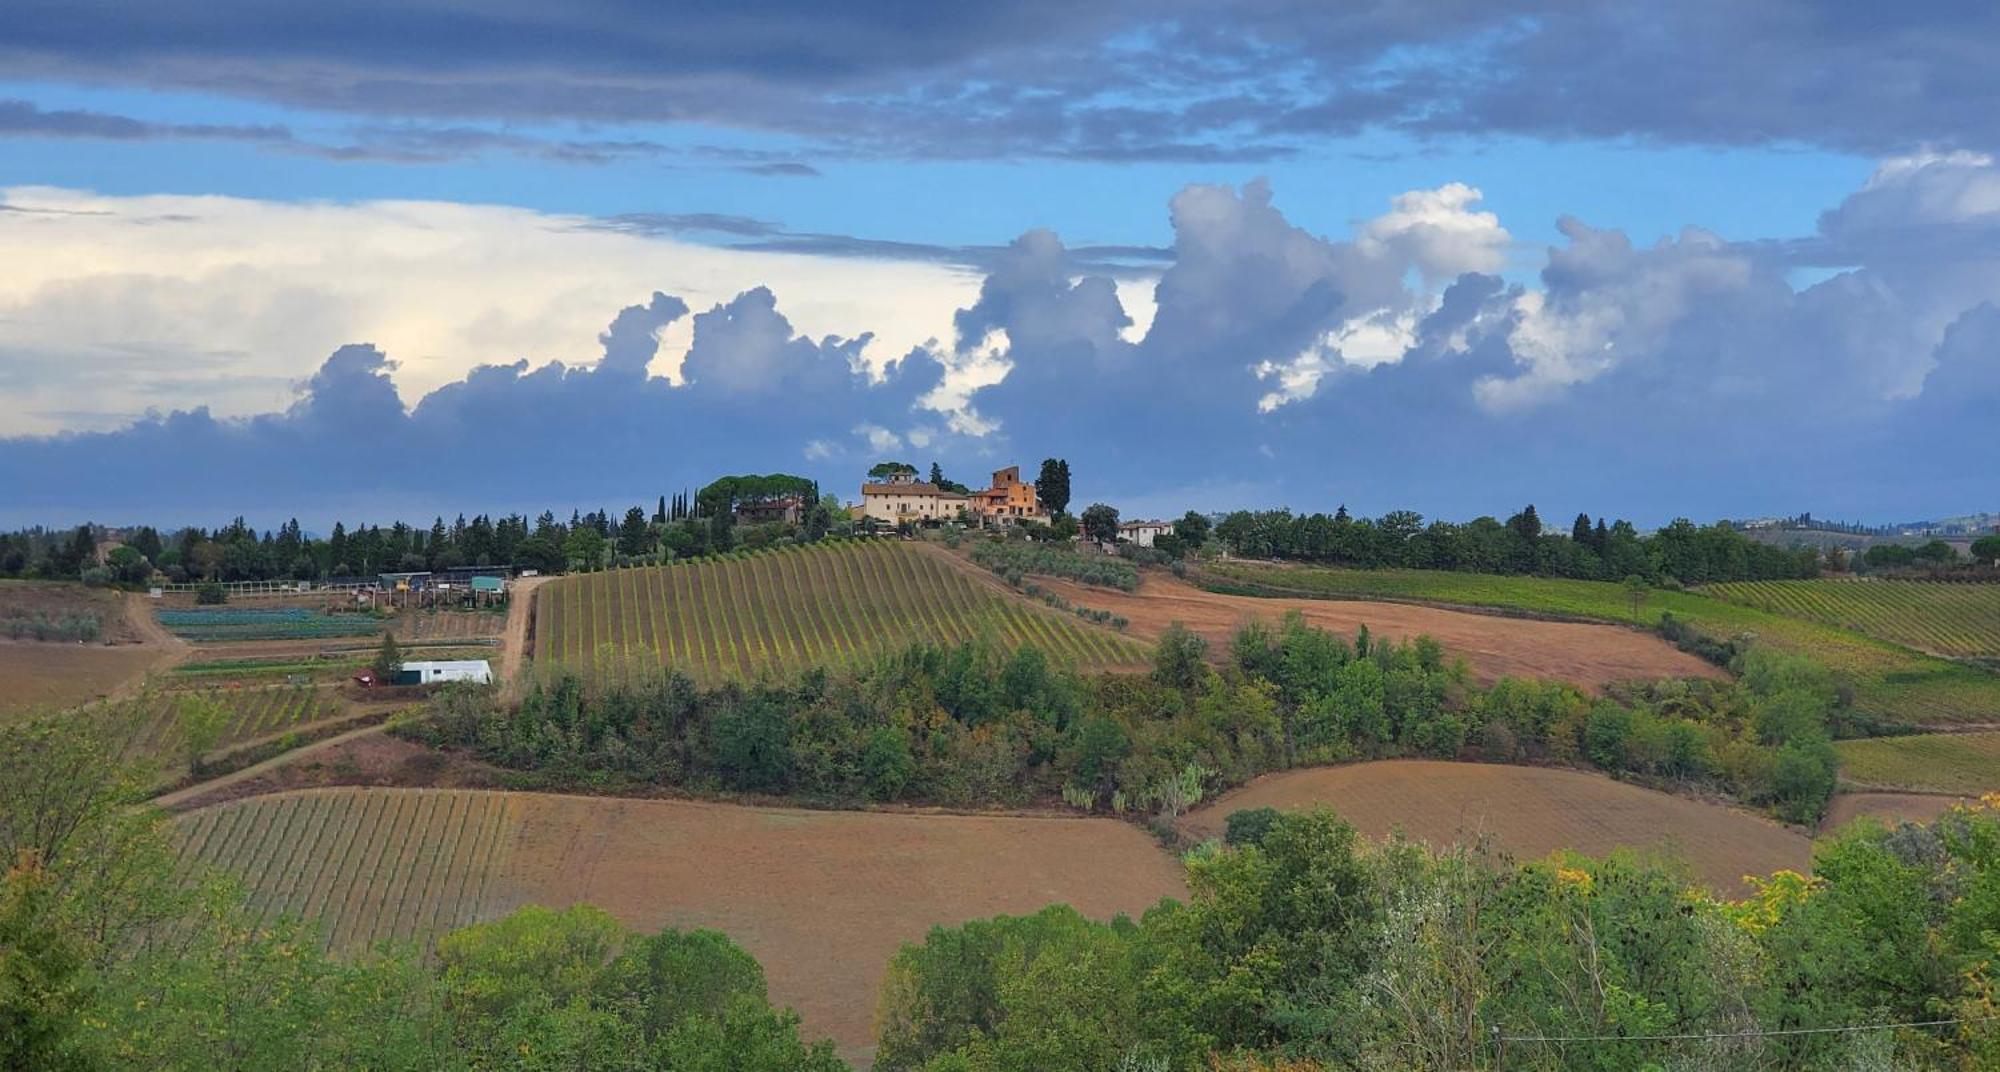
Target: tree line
975,725
1592,550
685,526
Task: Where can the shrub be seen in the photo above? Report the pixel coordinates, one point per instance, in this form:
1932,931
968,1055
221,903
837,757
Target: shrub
886,763
1248,827
1013,560
211,593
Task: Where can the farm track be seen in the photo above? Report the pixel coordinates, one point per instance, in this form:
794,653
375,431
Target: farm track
785,610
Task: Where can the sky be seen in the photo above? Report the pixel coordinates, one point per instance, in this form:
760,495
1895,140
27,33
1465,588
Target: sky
376,260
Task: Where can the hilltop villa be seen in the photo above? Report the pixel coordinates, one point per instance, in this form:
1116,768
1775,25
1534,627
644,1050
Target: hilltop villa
902,497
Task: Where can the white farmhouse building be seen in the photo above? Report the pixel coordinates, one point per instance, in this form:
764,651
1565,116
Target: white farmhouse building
1144,533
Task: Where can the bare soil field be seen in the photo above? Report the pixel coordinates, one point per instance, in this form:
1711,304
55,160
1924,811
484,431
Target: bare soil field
1888,807
822,899
51,600
1493,647
36,676
1528,811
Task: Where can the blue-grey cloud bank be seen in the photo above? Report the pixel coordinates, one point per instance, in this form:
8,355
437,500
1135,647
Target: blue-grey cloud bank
1855,371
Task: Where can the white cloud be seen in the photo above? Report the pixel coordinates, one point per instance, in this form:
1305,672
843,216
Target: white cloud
1437,232
879,439
112,305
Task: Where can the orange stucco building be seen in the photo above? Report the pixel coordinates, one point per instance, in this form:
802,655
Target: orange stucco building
1009,499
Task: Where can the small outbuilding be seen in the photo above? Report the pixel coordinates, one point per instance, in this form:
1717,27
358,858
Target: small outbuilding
437,672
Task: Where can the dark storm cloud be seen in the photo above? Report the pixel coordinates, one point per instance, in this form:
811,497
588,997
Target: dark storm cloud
1122,81
19,118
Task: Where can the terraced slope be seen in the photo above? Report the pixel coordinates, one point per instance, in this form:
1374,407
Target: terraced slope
785,610
155,724
1890,681
404,865
1966,763
1957,620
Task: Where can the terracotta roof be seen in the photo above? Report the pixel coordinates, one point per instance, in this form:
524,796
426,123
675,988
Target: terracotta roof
909,489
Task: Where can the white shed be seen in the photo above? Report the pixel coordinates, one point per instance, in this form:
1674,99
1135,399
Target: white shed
477,671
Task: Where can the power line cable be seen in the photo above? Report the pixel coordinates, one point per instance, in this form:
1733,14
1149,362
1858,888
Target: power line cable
1750,1032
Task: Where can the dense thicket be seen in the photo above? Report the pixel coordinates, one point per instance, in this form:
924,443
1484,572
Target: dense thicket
975,725
1687,553
1305,949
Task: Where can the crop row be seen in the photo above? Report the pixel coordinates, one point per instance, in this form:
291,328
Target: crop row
155,729
1934,616
274,624
370,865
792,608
1940,762
450,625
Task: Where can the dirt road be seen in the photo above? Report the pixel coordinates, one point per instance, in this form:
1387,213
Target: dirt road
514,641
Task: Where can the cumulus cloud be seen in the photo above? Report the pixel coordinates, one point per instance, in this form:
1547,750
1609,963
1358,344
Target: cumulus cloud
1391,367
503,436
110,306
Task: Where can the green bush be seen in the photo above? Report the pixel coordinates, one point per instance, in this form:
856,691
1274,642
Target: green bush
1248,826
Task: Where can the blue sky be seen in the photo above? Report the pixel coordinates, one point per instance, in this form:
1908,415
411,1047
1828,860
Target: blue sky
1341,252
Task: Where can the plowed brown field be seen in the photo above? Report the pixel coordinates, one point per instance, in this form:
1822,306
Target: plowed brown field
1889,807
1492,646
36,677
1529,811
822,899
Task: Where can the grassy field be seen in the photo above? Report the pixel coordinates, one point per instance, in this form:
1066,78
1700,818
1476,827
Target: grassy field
822,898
1889,681
785,610
1957,620
1943,762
